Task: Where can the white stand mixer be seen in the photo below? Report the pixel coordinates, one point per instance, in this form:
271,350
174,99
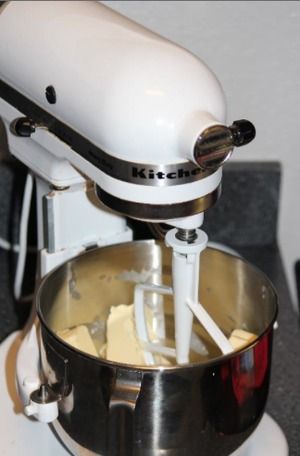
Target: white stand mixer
87,95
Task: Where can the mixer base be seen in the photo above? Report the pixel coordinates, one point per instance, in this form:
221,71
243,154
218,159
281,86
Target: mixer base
268,438
28,437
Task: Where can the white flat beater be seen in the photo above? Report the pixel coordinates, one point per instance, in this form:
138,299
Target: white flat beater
187,246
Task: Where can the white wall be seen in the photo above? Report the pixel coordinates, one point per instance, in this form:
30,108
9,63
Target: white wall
254,48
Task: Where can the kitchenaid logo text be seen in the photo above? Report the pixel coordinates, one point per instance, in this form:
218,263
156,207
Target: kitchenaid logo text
180,173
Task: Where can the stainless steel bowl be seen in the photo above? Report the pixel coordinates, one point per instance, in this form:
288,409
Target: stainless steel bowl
208,407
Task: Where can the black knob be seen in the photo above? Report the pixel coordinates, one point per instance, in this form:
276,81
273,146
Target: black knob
50,94
23,127
242,132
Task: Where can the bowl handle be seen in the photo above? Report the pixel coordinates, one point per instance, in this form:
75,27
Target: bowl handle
122,405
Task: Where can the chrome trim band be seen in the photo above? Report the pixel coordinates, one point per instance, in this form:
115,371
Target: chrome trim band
151,175
157,175
159,211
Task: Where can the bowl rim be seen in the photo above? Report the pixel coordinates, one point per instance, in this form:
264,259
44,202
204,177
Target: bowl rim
146,368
